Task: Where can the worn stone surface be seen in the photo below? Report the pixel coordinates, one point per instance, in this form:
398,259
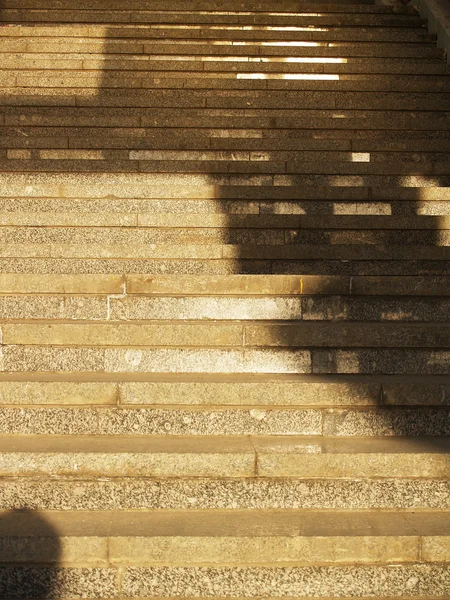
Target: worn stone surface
12,283
436,549
387,361
265,392
206,308
139,493
76,551
48,582
207,361
246,551
123,334
391,421
147,421
45,307
373,309
57,392
289,581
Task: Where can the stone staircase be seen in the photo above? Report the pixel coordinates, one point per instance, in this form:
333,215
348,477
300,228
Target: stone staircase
224,301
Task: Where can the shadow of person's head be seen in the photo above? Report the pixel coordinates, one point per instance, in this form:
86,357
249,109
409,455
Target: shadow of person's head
29,550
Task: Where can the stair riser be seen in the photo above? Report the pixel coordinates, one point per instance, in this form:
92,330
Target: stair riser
266,393
114,465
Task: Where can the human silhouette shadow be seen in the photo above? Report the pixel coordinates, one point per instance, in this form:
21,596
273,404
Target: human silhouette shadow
28,541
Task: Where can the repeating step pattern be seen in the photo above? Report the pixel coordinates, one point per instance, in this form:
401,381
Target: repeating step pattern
224,301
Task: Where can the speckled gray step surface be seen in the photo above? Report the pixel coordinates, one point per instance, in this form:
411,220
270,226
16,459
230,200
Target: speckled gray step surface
422,581
72,493
329,308
345,423
183,267
126,47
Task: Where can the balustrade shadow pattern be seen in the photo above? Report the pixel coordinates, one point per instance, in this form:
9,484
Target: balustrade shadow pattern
157,112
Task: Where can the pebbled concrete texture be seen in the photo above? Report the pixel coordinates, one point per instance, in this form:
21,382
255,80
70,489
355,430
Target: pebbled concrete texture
131,464
43,307
302,582
47,582
393,422
209,361
61,421
206,308
140,493
378,361
210,421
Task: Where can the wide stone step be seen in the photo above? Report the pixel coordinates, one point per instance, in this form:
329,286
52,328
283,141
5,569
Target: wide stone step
222,390
338,144
345,422
70,66
187,186
248,582
45,358
148,252
234,123
294,159
308,334
183,216
297,82
289,100
94,212
268,172
93,46
416,34
125,539
189,266
223,456
237,285
329,308
188,493
233,5
209,17
206,224
227,81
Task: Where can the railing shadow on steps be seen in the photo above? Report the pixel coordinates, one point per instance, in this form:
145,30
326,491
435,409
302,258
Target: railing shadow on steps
241,264
27,537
